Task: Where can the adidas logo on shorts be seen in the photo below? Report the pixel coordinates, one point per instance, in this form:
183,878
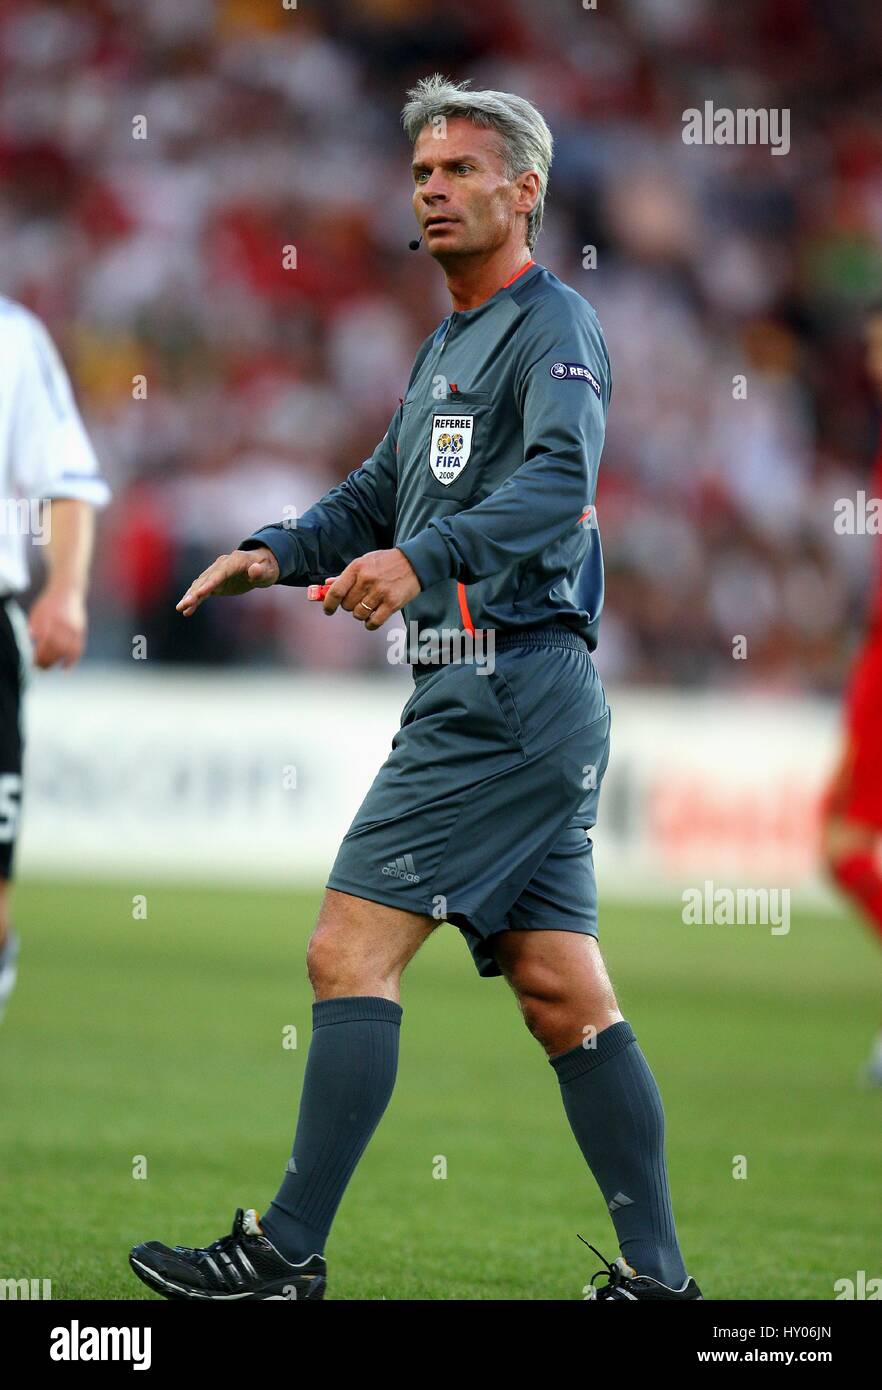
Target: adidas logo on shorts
402,867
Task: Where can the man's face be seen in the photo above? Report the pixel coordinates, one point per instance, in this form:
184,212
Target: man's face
873,344
464,202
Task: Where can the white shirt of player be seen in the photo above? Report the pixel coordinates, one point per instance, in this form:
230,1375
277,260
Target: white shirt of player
44,449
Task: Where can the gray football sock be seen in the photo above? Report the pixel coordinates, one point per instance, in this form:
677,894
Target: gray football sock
615,1111
350,1074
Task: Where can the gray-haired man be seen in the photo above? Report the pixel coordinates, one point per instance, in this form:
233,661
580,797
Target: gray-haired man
475,514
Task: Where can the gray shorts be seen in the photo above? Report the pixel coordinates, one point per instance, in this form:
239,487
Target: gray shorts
14,667
480,814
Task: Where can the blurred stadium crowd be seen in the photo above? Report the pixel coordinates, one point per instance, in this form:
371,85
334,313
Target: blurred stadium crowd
269,127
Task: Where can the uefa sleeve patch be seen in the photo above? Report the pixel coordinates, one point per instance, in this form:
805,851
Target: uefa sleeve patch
575,371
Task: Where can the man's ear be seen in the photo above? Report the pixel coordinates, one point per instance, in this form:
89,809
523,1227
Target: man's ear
528,191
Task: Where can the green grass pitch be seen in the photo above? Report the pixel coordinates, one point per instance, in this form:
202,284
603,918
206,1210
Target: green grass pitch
163,1038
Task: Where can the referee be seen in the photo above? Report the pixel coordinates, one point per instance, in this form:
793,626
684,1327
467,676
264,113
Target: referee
49,486
475,514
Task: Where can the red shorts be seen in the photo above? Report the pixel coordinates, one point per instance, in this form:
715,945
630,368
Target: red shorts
856,789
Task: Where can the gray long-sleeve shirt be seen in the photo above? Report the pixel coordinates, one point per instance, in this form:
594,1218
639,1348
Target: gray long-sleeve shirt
486,476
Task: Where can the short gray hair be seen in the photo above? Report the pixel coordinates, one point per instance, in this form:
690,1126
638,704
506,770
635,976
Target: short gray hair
526,140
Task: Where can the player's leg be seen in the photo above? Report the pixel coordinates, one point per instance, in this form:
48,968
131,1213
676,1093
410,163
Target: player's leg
13,658
852,809
851,840
609,1093
850,845
356,957
8,948
355,960
851,856
4,911
561,984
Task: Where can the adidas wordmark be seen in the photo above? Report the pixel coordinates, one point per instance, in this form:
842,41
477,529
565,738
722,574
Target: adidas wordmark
402,867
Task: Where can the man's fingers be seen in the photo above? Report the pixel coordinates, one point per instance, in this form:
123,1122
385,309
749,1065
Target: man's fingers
40,637
203,586
373,587
42,655
52,648
229,575
378,617
197,591
339,590
189,603
356,593
69,652
366,609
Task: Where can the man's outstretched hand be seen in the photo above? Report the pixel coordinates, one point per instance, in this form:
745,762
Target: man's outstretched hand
231,574
373,587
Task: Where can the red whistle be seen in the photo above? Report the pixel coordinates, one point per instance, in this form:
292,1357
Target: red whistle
317,591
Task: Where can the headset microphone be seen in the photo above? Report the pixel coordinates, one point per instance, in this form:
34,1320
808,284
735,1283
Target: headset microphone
414,245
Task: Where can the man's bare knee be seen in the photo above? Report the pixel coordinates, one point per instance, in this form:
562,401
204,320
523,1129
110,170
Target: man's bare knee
561,983
362,947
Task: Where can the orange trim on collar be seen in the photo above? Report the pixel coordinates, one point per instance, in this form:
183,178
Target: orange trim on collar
517,275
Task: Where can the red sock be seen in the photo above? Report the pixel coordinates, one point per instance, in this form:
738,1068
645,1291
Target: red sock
859,875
